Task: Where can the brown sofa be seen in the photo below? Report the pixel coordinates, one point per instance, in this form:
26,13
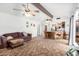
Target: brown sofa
26,37
17,36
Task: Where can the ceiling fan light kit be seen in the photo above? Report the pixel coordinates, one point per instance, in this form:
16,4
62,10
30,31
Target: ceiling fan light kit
27,11
28,14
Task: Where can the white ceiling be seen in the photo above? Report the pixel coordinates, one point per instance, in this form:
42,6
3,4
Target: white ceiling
8,8
62,10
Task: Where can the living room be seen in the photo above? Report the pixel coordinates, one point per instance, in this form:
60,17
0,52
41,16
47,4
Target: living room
36,29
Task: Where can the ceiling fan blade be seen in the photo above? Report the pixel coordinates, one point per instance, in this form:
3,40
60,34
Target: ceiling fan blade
17,9
24,5
32,13
23,14
36,11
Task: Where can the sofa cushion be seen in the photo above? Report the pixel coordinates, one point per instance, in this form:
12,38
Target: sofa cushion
15,42
20,34
25,34
14,35
9,37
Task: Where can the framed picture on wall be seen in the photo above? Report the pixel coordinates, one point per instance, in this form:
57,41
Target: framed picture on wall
33,25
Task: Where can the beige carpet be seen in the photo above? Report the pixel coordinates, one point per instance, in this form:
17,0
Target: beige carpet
38,47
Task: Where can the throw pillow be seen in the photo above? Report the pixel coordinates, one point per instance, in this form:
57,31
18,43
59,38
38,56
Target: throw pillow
24,33
9,37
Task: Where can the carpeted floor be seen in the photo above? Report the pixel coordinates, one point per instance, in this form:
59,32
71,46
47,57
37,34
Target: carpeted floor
38,47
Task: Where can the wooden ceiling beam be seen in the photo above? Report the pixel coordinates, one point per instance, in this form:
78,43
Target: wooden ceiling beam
40,7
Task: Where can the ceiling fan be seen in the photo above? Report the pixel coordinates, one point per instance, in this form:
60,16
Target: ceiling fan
26,10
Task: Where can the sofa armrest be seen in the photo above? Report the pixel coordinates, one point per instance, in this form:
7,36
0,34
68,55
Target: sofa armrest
27,38
3,41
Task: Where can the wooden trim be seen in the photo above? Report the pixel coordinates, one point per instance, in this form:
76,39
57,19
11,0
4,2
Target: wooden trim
39,6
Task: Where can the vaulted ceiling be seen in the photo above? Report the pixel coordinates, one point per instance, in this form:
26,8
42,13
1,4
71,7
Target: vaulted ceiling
62,10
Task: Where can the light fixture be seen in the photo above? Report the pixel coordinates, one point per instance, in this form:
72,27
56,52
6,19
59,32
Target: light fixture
26,10
29,12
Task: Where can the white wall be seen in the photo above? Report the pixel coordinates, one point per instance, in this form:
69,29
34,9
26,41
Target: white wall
11,23
31,29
